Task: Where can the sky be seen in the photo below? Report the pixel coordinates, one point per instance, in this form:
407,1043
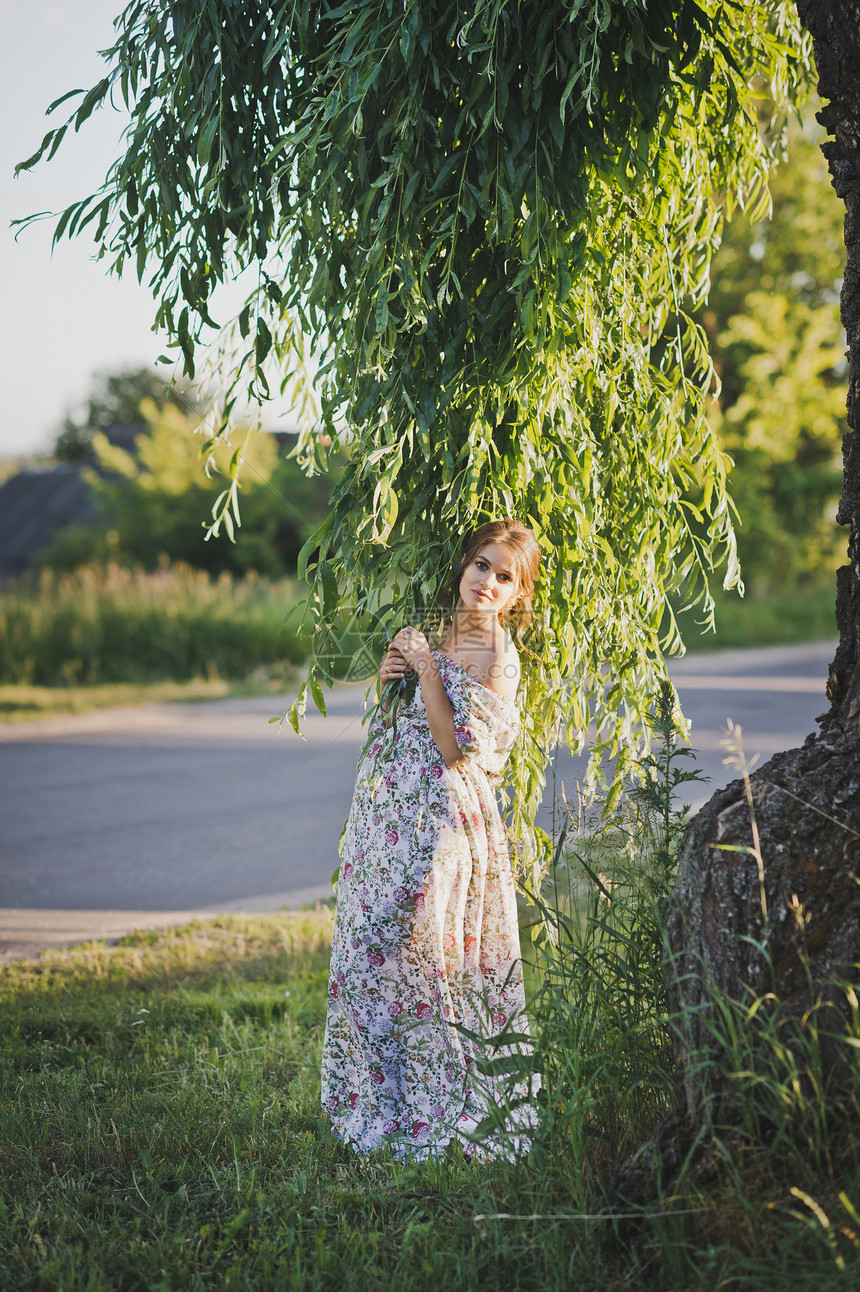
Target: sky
63,316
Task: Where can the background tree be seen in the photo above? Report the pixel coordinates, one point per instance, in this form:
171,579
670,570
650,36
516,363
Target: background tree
116,398
773,325
153,501
492,222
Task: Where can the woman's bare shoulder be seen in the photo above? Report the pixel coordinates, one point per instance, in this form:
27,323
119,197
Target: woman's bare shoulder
503,669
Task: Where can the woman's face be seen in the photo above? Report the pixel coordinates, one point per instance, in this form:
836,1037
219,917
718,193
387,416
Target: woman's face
489,582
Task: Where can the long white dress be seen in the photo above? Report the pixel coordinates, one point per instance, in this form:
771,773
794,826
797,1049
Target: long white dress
426,938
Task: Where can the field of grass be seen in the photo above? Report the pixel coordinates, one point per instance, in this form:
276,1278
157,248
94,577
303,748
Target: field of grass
160,1124
108,624
21,703
765,619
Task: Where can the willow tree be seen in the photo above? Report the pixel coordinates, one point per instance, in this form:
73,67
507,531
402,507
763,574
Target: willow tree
492,222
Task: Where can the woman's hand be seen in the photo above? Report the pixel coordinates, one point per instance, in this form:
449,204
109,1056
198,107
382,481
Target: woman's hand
393,666
411,645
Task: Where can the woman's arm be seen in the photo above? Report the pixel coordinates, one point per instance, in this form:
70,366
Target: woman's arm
411,645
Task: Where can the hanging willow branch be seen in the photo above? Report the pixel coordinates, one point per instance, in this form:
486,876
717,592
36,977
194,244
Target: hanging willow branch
491,220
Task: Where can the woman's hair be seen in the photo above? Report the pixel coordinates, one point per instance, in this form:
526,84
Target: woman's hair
525,559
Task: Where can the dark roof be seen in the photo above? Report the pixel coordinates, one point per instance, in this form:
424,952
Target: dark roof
34,505
285,439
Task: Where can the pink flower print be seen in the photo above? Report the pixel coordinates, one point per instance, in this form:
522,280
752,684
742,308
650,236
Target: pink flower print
450,941
335,990
375,750
332,1102
423,1010
464,1117
476,819
376,958
353,1099
347,870
436,771
470,1149
388,1128
390,783
401,894
463,821
375,818
499,1017
420,1129
376,1076
354,942
359,855
391,836
395,1009
341,976
437,1111
470,942
418,900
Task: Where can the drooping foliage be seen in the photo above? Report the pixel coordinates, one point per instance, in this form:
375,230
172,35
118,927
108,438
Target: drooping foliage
492,221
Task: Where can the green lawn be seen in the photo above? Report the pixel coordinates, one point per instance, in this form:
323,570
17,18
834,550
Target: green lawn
766,619
160,1129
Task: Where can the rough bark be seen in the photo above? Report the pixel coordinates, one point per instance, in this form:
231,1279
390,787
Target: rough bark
835,28
807,800
807,805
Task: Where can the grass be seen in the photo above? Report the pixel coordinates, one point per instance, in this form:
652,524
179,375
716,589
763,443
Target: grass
108,624
160,1129
160,1124
165,1130
106,636
765,619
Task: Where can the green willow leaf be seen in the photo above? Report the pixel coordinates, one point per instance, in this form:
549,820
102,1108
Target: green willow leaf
492,224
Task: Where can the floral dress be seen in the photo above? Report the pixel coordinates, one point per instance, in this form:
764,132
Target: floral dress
426,938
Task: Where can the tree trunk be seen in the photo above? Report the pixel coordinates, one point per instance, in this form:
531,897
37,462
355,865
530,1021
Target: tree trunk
807,800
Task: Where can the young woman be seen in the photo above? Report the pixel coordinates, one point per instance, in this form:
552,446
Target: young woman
426,933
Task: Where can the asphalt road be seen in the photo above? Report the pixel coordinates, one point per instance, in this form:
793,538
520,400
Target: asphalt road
146,813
